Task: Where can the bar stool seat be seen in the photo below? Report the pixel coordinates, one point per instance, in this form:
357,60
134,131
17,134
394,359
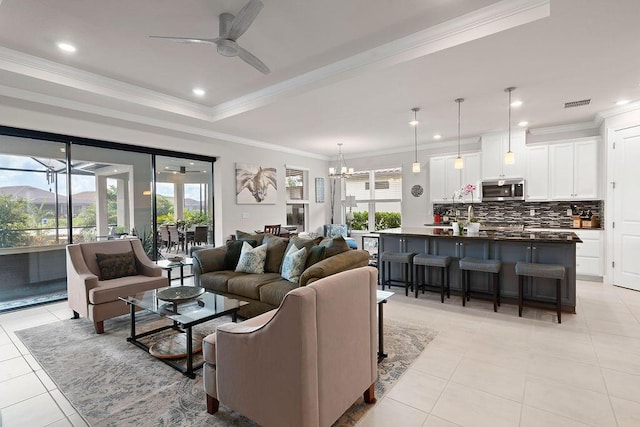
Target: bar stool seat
491,266
545,271
435,261
405,259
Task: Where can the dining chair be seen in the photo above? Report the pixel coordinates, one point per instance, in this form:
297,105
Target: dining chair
272,229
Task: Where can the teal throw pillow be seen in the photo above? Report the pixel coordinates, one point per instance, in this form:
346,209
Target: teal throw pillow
252,259
293,264
114,266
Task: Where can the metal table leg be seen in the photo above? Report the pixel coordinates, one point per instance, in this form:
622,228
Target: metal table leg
381,353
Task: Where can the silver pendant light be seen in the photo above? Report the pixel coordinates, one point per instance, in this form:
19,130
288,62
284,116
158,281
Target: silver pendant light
415,168
459,162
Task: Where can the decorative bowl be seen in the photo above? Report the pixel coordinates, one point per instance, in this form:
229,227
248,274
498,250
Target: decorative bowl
177,258
179,294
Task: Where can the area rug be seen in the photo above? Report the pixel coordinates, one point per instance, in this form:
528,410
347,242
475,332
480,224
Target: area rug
111,382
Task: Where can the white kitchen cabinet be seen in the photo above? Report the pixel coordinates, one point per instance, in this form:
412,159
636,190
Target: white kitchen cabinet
589,253
537,177
471,174
437,179
445,180
494,146
573,170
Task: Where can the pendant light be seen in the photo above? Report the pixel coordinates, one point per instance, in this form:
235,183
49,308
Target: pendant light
509,157
415,168
459,162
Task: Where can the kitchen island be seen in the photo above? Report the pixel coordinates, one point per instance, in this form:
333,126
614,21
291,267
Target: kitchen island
508,246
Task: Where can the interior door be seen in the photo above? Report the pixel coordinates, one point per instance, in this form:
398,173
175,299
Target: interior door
626,233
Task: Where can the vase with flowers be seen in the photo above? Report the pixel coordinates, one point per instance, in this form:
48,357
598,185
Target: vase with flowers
473,226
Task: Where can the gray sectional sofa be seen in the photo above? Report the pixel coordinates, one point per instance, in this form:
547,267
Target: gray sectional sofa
266,291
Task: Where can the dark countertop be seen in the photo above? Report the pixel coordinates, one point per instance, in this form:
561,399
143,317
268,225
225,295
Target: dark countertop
496,235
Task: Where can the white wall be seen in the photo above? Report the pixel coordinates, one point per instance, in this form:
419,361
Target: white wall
228,214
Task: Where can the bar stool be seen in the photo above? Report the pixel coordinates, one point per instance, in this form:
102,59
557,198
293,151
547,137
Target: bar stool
405,259
482,265
432,261
546,271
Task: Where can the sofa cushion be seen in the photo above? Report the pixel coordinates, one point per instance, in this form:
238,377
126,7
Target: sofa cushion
232,256
242,235
216,281
334,246
252,259
276,247
316,254
115,266
293,263
109,290
273,293
248,285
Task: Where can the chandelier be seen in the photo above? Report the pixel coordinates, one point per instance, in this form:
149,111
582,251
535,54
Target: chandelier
340,170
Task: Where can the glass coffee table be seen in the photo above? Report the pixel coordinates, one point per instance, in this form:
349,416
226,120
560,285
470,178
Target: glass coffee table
185,311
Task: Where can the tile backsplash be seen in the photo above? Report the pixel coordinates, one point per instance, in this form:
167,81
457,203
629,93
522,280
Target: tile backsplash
547,214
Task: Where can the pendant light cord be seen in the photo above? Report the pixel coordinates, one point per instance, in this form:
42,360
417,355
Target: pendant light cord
509,124
415,131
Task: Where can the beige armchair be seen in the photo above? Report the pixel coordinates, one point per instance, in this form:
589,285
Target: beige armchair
97,299
304,363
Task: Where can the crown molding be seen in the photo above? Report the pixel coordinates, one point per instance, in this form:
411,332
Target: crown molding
572,127
466,145
64,75
56,102
480,23
632,106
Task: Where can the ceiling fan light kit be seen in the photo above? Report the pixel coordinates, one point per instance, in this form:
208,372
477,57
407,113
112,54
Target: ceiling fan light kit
231,28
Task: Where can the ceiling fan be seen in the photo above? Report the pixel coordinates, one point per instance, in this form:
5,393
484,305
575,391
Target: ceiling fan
231,28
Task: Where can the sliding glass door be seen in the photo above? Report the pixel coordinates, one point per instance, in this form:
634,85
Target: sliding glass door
56,190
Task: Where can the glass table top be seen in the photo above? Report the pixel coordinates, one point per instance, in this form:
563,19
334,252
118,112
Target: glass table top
206,306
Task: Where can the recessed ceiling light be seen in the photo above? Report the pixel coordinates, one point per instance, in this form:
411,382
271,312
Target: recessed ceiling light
623,102
437,136
516,103
191,163
198,92
523,123
414,122
66,47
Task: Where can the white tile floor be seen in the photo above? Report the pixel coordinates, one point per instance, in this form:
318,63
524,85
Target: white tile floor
483,368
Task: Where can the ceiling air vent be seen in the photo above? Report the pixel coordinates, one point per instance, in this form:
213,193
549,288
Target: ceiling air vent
577,103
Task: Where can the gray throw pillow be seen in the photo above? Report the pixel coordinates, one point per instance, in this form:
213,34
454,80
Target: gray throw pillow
276,247
335,246
242,235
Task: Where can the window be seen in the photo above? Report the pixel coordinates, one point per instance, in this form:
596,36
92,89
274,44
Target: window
297,200
378,196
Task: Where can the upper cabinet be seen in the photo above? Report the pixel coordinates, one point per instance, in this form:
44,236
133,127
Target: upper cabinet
445,180
537,177
494,146
574,170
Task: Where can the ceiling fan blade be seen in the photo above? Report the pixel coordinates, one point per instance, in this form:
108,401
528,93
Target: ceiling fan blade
244,18
252,60
188,39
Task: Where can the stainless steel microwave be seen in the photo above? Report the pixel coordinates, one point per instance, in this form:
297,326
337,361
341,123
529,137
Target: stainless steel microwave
503,190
